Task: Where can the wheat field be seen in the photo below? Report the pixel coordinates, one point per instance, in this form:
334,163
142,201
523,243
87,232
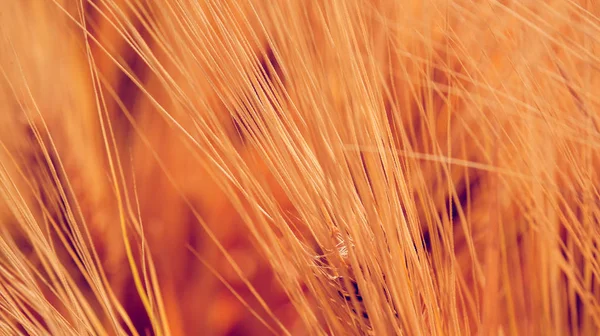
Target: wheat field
299,167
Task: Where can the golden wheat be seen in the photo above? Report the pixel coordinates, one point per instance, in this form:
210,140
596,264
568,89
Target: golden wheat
248,167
